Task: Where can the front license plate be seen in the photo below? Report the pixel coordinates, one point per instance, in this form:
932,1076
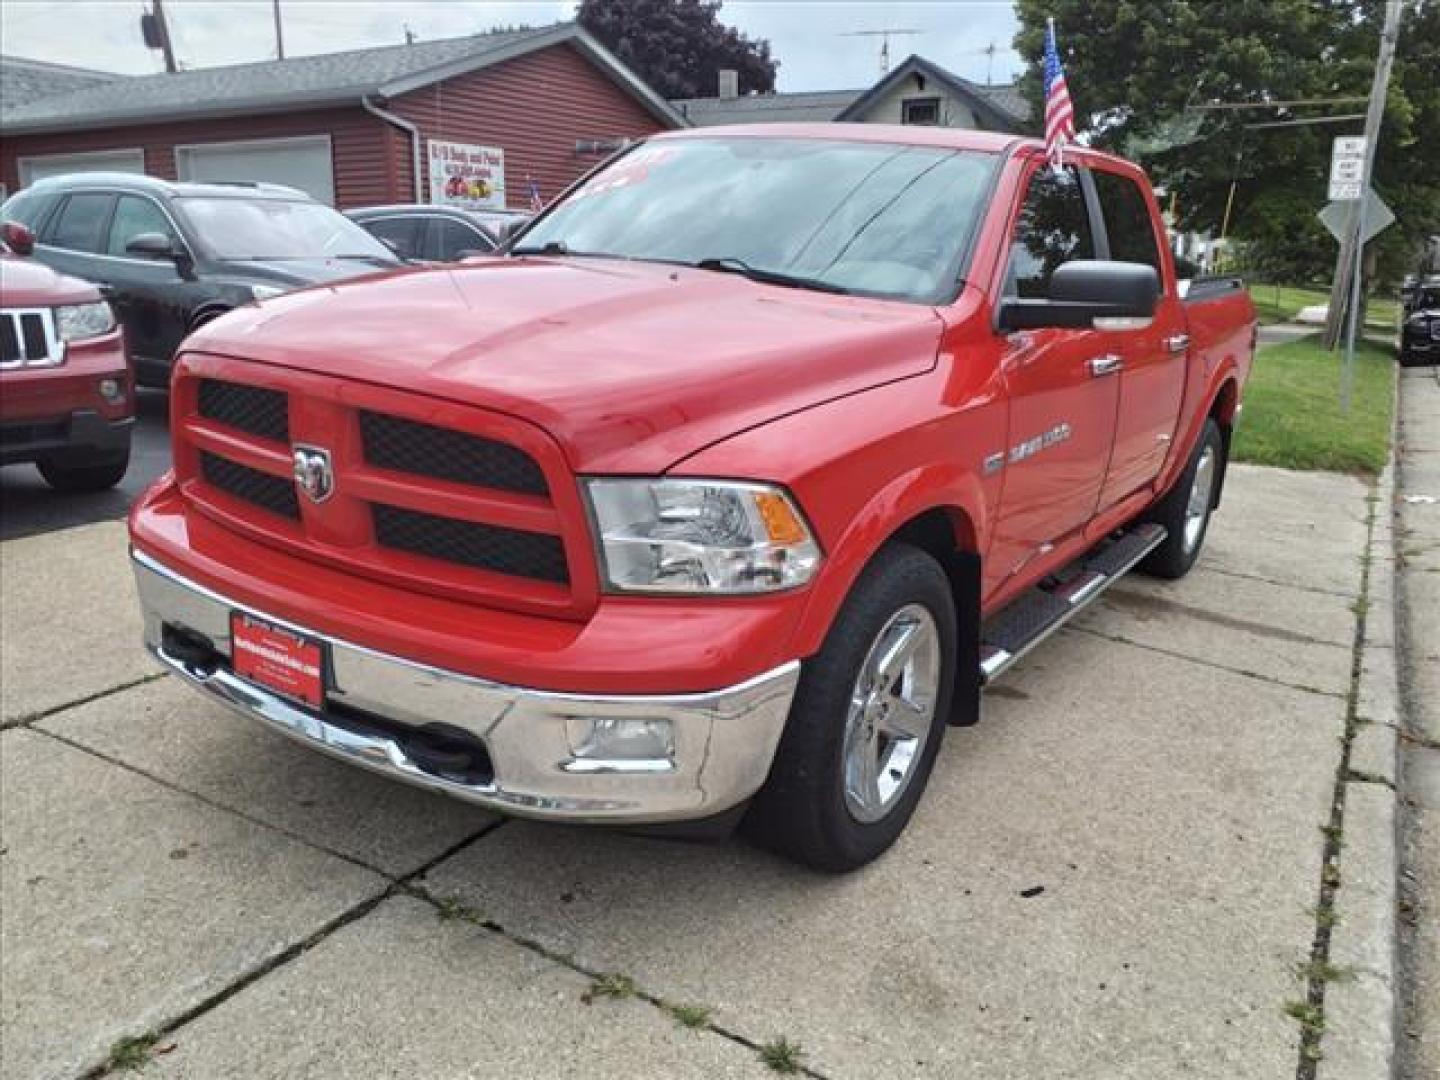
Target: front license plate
278,659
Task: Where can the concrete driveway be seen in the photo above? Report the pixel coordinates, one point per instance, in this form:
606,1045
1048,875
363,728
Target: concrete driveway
1113,875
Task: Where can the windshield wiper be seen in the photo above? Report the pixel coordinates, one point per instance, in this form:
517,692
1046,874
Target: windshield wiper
729,264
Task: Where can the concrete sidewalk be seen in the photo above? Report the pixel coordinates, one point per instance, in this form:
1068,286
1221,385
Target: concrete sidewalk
1418,557
1114,875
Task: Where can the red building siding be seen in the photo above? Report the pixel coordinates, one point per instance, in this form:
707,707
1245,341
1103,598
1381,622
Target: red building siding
357,146
535,108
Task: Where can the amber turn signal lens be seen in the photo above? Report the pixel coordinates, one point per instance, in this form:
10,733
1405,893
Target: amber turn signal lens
781,523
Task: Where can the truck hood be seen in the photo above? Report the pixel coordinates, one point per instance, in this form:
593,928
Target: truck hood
630,366
26,283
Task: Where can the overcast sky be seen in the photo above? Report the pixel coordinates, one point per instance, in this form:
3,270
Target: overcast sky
806,36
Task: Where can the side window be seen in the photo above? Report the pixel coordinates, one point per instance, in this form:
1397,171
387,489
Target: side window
449,238
80,225
1053,228
401,234
1127,219
133,216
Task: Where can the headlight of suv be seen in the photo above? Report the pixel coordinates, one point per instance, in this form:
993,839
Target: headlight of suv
700,536
75,322
265,292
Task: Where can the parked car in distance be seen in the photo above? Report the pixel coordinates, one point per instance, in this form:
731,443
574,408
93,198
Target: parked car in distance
172,256
67,400
1420,332
426,232
720,494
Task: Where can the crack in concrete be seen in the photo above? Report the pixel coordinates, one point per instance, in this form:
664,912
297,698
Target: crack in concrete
1122,640
394,887
1312,1027
453,909
1209,569
43,714
1147,604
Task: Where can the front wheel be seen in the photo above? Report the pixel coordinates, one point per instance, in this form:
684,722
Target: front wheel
867,719
86,475
1185,511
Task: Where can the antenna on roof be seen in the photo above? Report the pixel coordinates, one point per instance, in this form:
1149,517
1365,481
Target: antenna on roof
884,36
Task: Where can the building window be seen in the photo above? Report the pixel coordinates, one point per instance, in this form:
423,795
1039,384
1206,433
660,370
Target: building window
920,111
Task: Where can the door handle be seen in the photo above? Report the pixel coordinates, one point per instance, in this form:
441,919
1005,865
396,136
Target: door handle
1177,343
1108,364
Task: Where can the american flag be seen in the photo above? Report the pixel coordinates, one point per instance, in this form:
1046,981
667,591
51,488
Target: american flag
536,203
1059,113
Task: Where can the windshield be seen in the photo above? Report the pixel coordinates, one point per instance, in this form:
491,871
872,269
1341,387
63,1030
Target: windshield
871,218
233,228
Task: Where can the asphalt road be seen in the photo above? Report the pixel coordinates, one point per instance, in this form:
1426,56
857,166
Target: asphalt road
28,506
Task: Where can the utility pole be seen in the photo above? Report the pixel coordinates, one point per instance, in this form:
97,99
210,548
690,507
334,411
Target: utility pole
279,31
1347,264
163,28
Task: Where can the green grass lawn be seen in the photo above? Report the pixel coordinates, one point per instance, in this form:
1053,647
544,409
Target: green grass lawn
1292,412
1279,303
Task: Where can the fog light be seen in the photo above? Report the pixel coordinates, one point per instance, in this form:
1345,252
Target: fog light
642,744
112,390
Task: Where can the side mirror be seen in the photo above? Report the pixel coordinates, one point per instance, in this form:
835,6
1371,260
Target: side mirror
151,245
1085,290
18,238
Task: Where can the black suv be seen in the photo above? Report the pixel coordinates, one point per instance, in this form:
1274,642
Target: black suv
1420,334
426,232
172,256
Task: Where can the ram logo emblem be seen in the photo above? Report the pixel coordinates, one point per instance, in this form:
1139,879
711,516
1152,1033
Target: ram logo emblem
313,473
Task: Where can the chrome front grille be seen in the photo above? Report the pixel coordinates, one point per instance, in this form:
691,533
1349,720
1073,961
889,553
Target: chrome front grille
28,339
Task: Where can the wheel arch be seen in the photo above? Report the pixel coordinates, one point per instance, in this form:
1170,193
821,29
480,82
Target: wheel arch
1224,409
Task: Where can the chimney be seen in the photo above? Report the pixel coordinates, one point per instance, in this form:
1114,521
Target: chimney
729,83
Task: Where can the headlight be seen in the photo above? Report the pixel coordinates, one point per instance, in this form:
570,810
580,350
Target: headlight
700,536
265,292
75,322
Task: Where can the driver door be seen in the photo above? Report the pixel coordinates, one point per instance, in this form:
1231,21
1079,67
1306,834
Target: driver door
1062,393
149,294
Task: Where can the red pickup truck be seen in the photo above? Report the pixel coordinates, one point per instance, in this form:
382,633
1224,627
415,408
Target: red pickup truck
716,497
67,399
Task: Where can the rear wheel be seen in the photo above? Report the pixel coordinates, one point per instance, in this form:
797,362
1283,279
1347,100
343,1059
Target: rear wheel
867,719
1185,511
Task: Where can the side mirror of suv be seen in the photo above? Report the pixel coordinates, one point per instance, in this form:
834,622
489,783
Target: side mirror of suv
18,238
1084,290
151,245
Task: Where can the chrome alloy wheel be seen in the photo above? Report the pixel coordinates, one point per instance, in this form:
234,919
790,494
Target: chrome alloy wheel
1197,508
891,708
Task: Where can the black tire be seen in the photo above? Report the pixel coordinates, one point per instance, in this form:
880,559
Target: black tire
801,811
1174,558
81,475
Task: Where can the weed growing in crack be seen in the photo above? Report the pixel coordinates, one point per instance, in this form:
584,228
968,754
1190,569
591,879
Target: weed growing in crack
132,1053
1310,1017
691,1016
610,985
782,1056
1323,971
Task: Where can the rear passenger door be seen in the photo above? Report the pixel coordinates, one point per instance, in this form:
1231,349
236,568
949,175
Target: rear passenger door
1153,354
74,236
403,234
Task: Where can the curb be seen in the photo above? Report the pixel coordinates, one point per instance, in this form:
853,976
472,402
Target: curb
1359,1039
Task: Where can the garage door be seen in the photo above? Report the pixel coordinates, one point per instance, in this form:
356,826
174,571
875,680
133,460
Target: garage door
38,168
301,163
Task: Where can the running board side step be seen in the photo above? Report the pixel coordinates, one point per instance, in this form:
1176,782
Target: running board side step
1029,620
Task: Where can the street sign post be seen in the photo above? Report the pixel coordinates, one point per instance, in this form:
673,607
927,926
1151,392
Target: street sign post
1347,168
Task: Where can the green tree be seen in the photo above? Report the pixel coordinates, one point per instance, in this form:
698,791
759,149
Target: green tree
1136,68
679,46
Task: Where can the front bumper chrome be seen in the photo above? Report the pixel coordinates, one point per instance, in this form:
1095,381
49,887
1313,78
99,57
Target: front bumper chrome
720,751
